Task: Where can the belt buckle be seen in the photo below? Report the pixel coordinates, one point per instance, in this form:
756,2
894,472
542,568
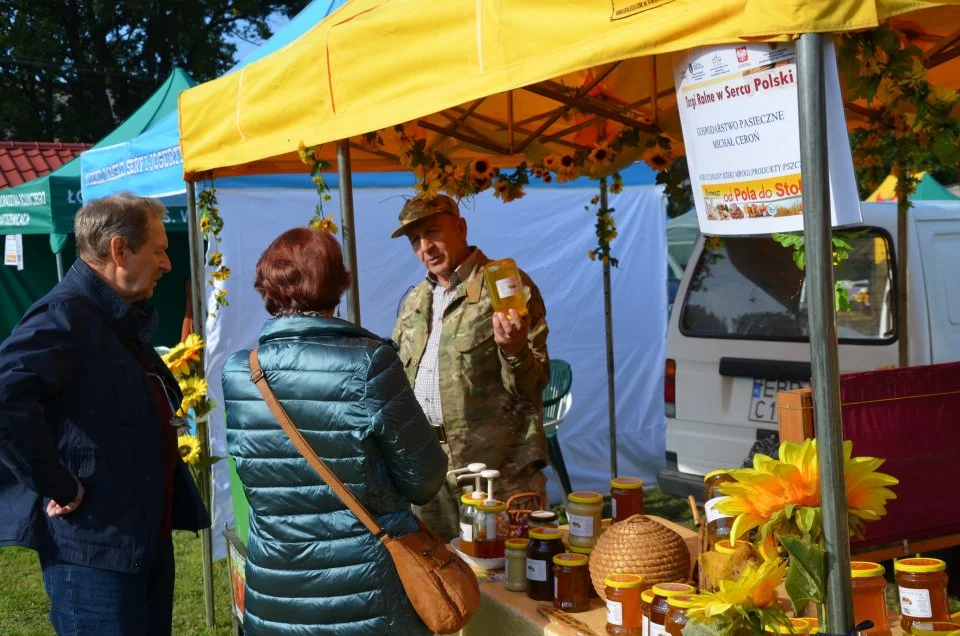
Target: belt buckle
440,431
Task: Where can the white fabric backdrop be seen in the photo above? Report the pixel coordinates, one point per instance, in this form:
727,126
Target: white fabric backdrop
549,234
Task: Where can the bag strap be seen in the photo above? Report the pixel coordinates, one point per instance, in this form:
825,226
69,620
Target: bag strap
257,377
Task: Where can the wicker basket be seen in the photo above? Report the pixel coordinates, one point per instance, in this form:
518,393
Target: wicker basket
640,545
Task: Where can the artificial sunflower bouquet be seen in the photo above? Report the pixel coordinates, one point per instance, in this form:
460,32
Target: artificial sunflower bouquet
776,505
185,362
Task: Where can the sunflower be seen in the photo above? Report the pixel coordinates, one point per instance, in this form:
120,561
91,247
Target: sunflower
204,223
189,448
179,358
302,151
325,224
194,392
775,491
221,274
713,244
482,170
429,182
600,157
755,589
216,259
500,188
658,159
550,162
616,187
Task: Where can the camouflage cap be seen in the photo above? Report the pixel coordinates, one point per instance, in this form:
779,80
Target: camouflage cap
419,208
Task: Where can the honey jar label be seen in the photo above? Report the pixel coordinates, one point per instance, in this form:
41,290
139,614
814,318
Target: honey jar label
656,630
645,625
466,532
711,509
536,570
580,526
615,613
509,286
915,603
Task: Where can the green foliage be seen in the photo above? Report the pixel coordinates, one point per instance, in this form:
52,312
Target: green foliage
807,574
71,71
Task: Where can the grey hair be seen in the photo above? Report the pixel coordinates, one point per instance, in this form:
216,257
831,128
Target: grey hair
125,215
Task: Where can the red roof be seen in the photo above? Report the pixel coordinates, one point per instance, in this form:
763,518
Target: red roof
22,161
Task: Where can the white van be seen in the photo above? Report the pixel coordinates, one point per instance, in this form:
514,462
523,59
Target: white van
738,332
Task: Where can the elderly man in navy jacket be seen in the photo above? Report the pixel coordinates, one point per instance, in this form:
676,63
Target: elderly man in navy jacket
90,476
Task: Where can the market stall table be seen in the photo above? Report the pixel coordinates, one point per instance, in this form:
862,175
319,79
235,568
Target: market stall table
505,612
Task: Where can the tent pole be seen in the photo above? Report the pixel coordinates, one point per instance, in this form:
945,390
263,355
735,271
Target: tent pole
349,230
823,329
196,293
608,321
59,257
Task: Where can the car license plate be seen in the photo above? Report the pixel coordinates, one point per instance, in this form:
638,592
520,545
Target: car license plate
763,398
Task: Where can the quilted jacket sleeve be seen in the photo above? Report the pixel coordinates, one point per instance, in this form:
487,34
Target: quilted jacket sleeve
416,462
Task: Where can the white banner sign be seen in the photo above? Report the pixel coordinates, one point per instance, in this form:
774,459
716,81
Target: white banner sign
13,251
741,129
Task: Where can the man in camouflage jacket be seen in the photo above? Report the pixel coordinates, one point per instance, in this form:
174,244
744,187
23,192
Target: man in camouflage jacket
480,379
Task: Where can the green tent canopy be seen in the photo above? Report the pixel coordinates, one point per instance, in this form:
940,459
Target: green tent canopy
928,189
47,205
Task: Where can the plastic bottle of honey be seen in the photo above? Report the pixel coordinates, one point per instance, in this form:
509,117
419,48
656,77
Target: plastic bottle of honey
505,286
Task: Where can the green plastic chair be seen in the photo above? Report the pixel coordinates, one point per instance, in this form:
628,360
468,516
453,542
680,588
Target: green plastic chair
557,401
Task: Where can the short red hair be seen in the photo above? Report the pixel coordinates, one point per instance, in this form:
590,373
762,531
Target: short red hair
302,270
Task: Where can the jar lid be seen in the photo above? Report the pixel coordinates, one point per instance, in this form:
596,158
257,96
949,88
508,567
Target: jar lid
714,473
647,596
543,515
546,534
865,569
934,627
800,626
725,547
682,601
919,565
470,500
496,506
667,590
627,483
570,560
517,544
623,581
578,550
585,497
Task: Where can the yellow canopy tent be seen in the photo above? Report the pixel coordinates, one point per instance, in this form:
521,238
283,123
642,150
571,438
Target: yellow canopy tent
522,77
928,189
490,75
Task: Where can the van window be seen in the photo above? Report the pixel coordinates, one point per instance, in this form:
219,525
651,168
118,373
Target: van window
749,288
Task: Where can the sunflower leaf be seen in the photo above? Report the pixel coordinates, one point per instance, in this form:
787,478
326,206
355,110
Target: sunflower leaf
807,572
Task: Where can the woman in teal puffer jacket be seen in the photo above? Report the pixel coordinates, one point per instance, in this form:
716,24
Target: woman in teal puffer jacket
312,567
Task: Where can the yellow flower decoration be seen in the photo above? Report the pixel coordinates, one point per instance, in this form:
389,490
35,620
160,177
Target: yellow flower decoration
194,392
325,224
658,158
616,187
429,182
216,259
302,151
189,448
766,490
204,224
756,588
713,243
221,274
551,162
179,358
482,170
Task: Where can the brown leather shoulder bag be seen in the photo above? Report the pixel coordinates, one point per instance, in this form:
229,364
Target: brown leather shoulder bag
441,587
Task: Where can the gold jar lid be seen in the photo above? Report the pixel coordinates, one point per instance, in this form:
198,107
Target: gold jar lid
570,560
517,544
627,483
865,569
667,590
623,581
585,497
546,534
919,565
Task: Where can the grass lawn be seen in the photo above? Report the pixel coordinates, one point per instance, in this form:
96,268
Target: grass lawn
24,605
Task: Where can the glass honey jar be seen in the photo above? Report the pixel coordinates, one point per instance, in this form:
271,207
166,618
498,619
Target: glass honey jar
718,524
584,512
505,286
659,606
571,582
491,526
623,604
515,563
676,618
545,543
468,510
869,596
922,587
585,552
626,497
797,626
936,628
646,599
